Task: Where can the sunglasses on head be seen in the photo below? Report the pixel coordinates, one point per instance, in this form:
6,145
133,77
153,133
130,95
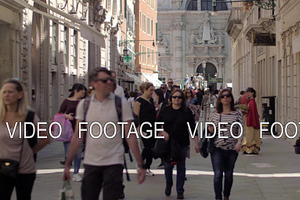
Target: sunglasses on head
162,88
225,95
177,97
104,80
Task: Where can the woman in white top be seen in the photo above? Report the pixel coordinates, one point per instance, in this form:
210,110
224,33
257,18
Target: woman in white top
14,108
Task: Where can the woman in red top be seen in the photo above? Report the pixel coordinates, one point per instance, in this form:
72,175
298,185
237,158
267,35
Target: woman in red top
251,143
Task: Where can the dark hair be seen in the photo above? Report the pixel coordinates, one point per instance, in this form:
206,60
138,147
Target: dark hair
94,73
183,105
219,103
76,87
250,89
242,92
216,91
192,93
174,87
160,95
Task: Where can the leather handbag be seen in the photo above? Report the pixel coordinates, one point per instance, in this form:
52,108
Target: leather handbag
9,168
206,145
161,148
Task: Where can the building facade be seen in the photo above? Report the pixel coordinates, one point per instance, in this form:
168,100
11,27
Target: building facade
146,54
193,42
270,65
51,44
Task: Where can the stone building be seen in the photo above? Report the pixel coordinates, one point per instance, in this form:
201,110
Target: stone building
266,56
193,42
51,44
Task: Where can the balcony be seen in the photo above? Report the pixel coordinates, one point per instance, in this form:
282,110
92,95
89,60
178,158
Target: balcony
234,24
262,33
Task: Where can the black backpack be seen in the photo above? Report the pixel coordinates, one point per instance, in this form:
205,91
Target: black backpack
118,106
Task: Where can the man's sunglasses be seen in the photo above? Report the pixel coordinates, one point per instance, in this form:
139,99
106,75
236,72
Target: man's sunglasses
225,95
162,88
177,97
170,82
104,80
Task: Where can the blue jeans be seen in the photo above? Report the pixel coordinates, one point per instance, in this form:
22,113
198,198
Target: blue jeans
180,173
77,158
223,161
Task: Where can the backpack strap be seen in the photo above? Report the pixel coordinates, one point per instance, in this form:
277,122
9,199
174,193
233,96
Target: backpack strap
29,130
86,105
118,104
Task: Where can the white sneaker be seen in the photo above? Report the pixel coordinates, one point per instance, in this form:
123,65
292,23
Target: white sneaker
149,173
76,178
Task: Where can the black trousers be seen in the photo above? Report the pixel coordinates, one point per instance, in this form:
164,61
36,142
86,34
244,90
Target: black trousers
147,153
96,177
23,183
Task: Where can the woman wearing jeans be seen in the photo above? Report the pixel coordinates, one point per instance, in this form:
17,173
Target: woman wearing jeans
68,107
226,150
175,117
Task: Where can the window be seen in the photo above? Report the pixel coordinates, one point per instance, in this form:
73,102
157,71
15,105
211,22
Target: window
207,5
148,25
152,61
144,23
140,21
144,55
151,27
152,3
74,49
148,56
140,50
148,2
192,5
65,45
54,45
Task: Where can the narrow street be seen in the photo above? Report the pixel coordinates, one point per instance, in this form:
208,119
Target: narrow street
271,175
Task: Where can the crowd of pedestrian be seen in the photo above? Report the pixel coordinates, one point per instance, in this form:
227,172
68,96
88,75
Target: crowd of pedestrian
103,158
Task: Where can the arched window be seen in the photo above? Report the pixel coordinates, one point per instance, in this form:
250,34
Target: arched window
192,5
207,5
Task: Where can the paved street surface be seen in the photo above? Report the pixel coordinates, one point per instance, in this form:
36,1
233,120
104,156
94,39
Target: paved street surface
274,174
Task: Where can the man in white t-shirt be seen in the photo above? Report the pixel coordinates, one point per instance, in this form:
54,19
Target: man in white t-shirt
119,90
104,154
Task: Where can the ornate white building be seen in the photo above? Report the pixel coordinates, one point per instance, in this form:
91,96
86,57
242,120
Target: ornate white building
51,44
266,56
193,40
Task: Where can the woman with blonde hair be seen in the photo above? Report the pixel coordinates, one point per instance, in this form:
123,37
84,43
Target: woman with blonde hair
144,108
14,149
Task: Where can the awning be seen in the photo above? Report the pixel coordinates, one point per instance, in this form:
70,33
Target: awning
152,79
86,31
136,79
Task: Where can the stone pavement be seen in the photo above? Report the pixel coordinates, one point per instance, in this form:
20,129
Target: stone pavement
271,175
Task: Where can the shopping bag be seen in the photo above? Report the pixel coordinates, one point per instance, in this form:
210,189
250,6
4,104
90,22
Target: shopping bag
66,126
66,193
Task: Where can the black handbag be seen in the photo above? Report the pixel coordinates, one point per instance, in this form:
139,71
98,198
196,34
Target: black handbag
160,149
9,168
206,145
